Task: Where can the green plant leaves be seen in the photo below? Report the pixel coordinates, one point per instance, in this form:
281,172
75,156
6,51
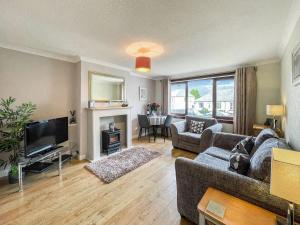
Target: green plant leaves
13,120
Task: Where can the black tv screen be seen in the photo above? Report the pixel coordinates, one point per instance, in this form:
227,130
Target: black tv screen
43,135
39,136
61,125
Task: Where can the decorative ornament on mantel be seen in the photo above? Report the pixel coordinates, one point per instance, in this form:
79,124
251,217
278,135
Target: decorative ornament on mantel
144,51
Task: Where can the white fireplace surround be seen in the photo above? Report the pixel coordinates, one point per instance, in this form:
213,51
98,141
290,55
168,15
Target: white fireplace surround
93,128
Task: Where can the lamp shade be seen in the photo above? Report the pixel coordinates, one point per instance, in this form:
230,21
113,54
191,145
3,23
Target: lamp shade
143,64
285,174
275,110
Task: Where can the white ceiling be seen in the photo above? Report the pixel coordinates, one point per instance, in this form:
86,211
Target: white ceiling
197,35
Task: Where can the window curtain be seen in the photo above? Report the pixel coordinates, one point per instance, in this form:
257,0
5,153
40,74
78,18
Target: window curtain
165,85
245,100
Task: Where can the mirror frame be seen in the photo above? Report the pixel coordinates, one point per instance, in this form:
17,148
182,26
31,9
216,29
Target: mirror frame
91,73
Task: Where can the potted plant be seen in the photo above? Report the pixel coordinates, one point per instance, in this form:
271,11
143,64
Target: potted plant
13,120
154,107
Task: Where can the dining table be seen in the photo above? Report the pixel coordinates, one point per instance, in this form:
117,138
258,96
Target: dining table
156,121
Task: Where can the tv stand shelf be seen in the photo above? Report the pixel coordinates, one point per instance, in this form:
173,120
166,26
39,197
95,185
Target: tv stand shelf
26,162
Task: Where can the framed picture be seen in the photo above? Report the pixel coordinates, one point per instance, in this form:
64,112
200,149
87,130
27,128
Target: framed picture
143,94
296,65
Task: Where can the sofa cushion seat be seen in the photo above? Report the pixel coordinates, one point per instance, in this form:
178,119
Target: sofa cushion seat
212,161
190,137
219,153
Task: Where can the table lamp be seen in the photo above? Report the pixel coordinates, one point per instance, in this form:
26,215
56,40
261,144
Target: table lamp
285,178
275,110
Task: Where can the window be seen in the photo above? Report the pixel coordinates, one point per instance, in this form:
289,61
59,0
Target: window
207,97
200,97
178,98
225,97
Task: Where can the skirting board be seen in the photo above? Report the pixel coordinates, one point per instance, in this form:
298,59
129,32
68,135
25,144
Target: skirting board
81,157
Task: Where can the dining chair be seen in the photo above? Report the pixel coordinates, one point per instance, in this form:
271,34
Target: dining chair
144,124
166,127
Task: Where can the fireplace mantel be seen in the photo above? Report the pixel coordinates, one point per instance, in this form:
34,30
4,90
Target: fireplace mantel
93,127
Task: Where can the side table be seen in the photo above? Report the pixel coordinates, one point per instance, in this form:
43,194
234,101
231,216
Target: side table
237,211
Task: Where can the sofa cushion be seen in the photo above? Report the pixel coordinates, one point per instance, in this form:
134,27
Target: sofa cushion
212,161
239,162
208,121
218,153
260,163
190,137
262,136
196,126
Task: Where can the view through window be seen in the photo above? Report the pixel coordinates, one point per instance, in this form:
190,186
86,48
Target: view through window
178,98
225,97
200,97
210,97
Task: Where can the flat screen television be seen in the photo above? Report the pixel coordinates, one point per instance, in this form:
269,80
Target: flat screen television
61,130
41,136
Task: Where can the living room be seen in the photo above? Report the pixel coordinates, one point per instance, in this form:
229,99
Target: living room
147,110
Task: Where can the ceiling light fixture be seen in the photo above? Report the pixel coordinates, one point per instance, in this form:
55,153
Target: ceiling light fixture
144,51
143,64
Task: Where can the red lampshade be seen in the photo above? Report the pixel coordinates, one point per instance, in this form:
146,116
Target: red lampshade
143,64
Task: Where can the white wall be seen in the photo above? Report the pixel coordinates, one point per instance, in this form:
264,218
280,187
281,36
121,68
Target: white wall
268,89
290,95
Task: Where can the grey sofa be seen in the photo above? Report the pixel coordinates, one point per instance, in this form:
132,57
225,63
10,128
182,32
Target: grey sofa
211,169
182,138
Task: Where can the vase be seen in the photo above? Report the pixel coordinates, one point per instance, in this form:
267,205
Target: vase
154,113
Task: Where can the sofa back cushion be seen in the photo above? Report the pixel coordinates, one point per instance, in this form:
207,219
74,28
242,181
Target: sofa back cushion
208,121
260,163
261,137
245,146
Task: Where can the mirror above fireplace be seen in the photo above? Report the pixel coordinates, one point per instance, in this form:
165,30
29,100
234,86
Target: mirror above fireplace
106,88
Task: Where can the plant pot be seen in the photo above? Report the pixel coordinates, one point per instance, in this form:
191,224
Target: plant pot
14,179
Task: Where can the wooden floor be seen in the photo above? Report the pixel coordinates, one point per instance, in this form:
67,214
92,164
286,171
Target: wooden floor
145,196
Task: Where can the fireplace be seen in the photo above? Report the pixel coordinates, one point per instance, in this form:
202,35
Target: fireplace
95,118
111,141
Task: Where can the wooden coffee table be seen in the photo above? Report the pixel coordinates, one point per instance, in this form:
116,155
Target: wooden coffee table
237,211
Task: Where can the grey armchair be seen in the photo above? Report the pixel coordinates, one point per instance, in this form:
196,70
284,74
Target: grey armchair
182,138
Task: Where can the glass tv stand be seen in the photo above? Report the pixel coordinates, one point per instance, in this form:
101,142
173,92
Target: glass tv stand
25,162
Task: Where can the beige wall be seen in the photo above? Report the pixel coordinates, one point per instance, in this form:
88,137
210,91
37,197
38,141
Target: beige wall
158,92
48,83
290,95
57,86
132,84
268,89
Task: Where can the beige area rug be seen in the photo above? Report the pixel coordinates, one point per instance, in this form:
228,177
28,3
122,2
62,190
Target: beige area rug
118,164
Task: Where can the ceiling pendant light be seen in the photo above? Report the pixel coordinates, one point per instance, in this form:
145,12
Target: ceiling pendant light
143,64
143,52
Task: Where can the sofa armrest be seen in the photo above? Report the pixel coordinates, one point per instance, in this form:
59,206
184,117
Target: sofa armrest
215,128
226,140
193,178
207,136
176,128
